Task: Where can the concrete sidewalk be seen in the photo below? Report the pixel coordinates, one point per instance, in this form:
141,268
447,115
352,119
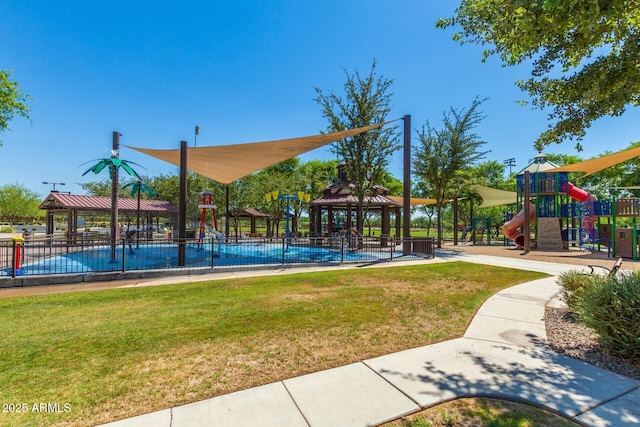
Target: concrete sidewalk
503,354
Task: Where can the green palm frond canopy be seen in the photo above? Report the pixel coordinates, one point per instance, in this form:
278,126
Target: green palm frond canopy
139,187
110,163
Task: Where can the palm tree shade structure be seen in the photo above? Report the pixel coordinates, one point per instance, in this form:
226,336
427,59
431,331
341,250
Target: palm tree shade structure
114,163
138,187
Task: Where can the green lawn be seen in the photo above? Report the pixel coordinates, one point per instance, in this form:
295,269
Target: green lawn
106,355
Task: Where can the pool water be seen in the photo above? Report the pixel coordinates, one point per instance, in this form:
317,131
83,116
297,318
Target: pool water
165,255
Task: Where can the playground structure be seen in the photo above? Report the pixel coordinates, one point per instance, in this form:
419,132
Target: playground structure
206,203
563,215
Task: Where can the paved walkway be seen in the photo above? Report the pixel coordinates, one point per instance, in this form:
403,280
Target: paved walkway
503,354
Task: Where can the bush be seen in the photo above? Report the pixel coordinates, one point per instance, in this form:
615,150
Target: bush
611,308
572,283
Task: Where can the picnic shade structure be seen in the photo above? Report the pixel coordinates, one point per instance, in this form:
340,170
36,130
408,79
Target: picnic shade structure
228,163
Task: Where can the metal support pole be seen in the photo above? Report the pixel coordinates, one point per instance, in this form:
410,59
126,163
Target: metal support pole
115,228
287,232
406,194
182,208
527,207
227,219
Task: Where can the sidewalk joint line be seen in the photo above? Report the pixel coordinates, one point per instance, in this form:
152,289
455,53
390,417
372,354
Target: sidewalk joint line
391,384
295,403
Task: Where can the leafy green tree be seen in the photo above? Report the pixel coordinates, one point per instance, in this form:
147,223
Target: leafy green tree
422,189
13,101
241,197
443,153
287,178
18,203
584,55
391,183
167,187
367,101
317,175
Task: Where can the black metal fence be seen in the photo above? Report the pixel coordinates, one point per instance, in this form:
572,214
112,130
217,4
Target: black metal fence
49,256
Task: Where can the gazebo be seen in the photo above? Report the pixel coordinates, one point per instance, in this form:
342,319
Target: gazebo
339,203
253,215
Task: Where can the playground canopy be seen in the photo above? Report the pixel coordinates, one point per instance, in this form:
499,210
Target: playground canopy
493,197
227,163
596,165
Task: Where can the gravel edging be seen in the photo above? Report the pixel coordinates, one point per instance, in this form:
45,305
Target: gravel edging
572,339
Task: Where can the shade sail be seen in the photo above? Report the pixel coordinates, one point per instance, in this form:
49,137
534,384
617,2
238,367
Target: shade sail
415,201
596,165
492,197
227,163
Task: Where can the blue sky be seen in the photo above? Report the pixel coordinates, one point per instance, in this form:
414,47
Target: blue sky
244,71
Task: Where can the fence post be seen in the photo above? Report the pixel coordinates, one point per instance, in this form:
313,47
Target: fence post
124,249
283,249
213,250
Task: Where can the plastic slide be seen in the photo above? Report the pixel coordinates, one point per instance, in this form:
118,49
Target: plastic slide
511,229
579,194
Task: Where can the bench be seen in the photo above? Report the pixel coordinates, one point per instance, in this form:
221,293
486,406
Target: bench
609,271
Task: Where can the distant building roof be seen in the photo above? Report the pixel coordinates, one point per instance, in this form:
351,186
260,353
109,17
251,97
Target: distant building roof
251,213
56,200
540,163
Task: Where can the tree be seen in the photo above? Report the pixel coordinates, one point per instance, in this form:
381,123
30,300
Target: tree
366,101
443,153
489,174
584,55
12,101
317,175
288,179
18,203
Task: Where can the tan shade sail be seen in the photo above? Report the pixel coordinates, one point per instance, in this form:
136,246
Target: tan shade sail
492,197
227,163
596,165
414,201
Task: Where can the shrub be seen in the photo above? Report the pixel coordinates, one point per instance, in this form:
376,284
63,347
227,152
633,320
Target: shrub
611,308
572,283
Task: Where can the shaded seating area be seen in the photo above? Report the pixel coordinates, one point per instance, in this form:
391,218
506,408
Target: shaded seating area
74,206
253,215
338,205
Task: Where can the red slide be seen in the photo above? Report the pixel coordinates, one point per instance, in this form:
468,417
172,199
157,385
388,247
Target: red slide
579,194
